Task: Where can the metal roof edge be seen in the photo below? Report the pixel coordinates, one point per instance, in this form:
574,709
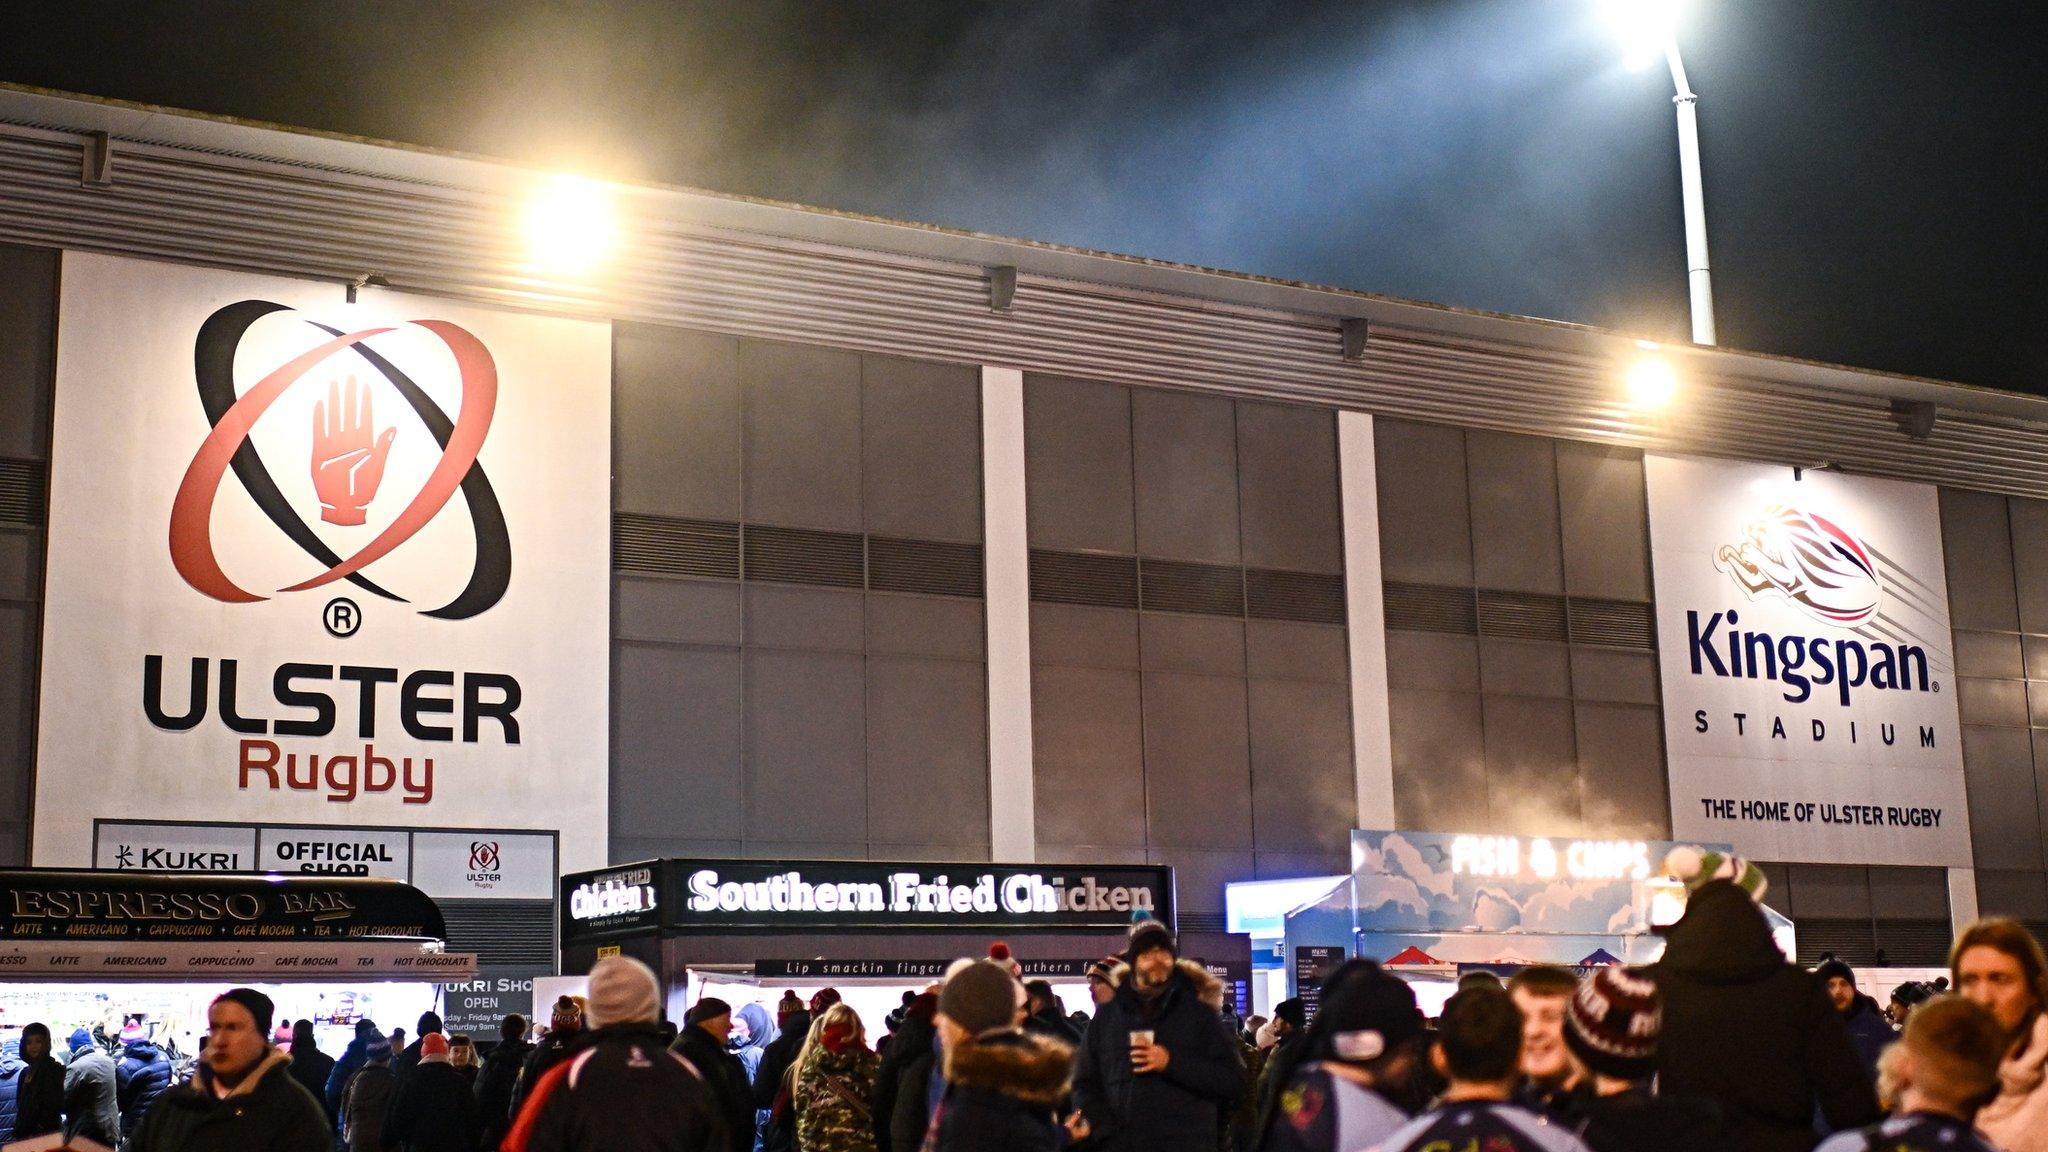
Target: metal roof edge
390,160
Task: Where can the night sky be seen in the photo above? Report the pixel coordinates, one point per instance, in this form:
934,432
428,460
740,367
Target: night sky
1874,168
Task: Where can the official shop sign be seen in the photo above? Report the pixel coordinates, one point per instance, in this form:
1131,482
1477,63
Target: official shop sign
704,895
1808,675
333,563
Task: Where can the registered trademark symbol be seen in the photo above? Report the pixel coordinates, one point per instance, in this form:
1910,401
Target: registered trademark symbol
341,617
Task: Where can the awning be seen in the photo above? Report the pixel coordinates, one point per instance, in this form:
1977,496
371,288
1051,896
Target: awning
146,961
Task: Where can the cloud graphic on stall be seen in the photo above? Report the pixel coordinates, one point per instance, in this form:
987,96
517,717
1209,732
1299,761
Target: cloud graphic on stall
1574,907
1493,910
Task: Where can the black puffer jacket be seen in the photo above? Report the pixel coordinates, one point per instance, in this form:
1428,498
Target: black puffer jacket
1002,1092
494,1087
1169,1111
433,1110
621,1091
1753,1033
727,1078
902,1084
777,1057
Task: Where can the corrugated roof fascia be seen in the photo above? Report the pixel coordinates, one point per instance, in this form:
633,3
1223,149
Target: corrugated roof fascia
286,148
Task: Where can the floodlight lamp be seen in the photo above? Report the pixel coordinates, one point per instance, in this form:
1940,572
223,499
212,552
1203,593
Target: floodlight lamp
1644,27
571,225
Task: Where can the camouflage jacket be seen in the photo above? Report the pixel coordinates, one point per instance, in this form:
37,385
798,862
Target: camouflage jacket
834,1100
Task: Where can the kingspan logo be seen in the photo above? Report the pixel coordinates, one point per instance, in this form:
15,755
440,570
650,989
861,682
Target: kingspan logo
1829,574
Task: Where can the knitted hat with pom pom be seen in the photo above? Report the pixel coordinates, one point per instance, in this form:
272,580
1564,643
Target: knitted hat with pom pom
999,953
1696,866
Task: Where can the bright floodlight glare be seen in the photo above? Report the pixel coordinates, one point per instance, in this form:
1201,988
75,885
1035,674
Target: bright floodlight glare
1644,27
570,225
1651,383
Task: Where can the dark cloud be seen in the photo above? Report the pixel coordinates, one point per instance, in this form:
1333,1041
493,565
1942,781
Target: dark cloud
1873,172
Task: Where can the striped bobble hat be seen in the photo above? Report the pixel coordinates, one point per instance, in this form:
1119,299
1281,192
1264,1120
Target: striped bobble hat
1613,1022
1696,866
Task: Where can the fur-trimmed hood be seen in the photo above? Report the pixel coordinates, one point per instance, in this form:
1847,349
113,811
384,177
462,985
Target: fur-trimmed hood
1023,1066
1208,989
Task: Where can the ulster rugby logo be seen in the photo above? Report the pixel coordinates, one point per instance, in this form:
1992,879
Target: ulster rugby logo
347,460
1809,560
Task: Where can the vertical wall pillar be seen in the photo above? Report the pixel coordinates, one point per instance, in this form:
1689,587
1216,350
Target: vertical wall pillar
1012,832
1962,899
1372,747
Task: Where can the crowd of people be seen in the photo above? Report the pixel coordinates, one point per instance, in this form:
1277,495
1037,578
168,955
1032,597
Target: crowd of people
1722,1044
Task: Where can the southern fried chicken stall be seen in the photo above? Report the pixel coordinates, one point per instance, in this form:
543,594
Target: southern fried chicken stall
747,931
117,953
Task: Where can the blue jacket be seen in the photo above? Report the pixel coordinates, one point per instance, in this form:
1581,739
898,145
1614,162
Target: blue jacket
141,1076
1869,1033
352,1060
11,1069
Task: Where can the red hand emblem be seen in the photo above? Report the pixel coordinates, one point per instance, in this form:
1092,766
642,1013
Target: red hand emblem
347,467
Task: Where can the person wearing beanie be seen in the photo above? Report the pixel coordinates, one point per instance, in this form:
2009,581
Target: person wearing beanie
1157,1068
1944,1069
142,1075
822,999
565,1034
367,1102
310,1066
1904,999
1478,1052
702,1042
346,1066
499,1076
622,1090
408,1057
39,1093
243,1099
1868,1029
1611,1028
1103,977
433,1109
1290,1019
92,1107
1751,1032
1003,1085
902,1099
1351,1079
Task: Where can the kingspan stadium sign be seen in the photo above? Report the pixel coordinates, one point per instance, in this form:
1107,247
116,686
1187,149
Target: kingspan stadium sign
708,895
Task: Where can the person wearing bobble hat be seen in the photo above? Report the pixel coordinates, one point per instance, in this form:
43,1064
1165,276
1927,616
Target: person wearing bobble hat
1003,1085
1158,1066
1611,1028
1351,1079
142,1075
1742,1026
622,1090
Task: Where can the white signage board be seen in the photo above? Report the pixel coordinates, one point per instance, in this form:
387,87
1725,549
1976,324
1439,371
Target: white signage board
1808,675
336,851
321,563
175,848
483,866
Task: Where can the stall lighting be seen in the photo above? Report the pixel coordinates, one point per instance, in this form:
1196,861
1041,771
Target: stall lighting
571,225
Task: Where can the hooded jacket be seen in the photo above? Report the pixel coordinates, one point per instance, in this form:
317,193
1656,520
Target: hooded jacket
433,1110
11,1069
901,1102
1751,1032
142,1075
366,1105
1173,1109
1002,1094
91,1106
1869,1032
2017,1119
622,1091
267,1112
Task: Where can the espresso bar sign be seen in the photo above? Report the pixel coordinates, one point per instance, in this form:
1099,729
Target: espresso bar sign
711,895
55,905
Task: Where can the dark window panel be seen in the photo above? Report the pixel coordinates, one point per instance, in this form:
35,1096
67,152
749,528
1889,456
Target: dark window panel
1171,642
1433,660
921,448
789,617
1621,768
1283,650
2005,822
1524,668
1287,487
1976,538
675,422
1077,449
1607,674
28,333
1532,777
1185,469
1994,655
1425,525
2029,525
2000,702
926,626
1606,520
1074,634
1515,544
801,408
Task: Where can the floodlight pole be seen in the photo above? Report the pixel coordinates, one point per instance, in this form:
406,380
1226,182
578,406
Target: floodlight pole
1698,279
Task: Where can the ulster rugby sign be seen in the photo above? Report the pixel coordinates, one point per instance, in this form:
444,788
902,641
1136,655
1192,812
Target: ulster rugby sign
323,563
1809,696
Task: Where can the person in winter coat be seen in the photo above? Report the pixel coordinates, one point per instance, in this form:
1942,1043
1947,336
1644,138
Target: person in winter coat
39,1098
92,1107
352,1059
408,1057
433,1109
753,1031
1158,1065
11,1069
1044,1016
1004,1085
242,1100
1350,1079
1744,1028
1478,1050
834,1089
901,1080
499,1076
1868,1030
702,1042
565,1032
2000,966
622,1091
142,1075
1611,1028
462,1057
310,1066
793,1023
1942,1071
367,1102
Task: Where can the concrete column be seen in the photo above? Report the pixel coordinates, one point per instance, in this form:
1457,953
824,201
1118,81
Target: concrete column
1962,899
1013,835
1372,748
